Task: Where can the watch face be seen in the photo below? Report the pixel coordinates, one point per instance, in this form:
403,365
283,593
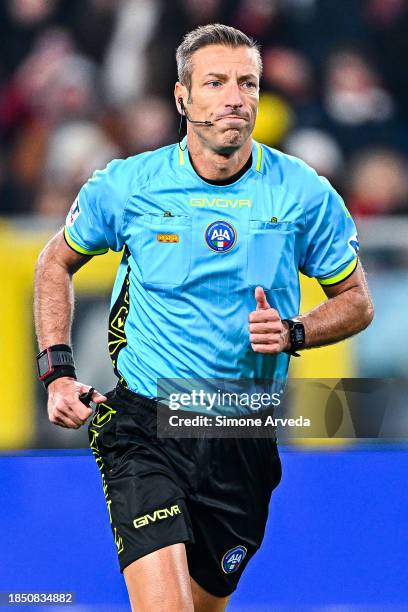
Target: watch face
44,365
299,333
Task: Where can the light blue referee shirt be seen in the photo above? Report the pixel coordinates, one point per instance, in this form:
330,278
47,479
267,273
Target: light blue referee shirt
194,253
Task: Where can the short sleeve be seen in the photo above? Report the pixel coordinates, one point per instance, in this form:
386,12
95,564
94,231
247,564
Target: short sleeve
94,221
330,242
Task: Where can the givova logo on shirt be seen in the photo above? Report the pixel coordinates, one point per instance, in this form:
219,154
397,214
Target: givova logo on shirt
220,236
74,212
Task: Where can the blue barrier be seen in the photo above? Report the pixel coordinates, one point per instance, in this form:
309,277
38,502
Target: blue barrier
337,532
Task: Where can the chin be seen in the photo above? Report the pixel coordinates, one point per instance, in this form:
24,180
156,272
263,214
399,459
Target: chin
233,139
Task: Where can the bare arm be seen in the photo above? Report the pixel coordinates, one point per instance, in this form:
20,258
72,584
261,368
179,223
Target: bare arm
53,312
348,311
53,291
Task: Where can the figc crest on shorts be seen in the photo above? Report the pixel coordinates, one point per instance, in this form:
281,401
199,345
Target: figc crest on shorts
233,559
74,213
220,236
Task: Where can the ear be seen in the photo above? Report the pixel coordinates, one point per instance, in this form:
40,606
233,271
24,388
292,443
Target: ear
180,92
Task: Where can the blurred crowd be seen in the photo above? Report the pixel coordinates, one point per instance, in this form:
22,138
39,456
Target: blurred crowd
85,81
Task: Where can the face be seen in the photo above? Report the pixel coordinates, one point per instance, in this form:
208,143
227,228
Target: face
225,91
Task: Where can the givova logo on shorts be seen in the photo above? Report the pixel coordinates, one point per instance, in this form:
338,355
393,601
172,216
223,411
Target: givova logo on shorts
157,515
233,559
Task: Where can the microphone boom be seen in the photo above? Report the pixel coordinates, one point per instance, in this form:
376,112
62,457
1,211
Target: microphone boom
183,108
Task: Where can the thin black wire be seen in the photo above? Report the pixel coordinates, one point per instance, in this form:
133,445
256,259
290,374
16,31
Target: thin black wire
179,133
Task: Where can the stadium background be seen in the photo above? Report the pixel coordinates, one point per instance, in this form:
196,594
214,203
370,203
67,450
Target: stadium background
82,82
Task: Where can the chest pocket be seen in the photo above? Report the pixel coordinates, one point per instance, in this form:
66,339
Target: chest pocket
270,254
165,250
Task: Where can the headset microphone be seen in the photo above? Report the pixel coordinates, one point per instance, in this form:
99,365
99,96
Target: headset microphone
184,112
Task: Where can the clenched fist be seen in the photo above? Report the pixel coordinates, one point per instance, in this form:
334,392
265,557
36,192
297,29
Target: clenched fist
64,406
267,333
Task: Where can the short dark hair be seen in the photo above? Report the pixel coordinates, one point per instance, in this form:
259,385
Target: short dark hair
211,34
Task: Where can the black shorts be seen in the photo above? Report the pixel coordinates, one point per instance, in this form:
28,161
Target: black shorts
212,494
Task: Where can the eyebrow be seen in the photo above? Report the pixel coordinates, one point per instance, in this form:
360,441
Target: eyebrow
225,76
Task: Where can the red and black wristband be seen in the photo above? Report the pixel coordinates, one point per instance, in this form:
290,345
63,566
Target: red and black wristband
55,362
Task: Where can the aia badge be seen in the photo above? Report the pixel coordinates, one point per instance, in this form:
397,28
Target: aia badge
220,236
74,213
233,559
354,244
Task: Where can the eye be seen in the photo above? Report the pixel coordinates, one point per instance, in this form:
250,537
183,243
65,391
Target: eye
214,83
249,84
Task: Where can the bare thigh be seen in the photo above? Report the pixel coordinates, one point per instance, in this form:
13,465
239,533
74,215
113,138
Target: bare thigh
160,581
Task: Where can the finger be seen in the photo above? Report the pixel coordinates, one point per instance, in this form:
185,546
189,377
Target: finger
263,316
77,410
74,410
266,348
86,397
66,411
264,338
89,394
98,397
261,301
66,422
265,328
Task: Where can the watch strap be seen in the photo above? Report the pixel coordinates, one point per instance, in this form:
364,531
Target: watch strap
60,372
62,358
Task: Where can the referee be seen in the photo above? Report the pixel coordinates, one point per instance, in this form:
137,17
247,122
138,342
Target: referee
214,231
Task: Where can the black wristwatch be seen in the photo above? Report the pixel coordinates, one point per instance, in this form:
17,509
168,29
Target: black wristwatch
296,335
54,362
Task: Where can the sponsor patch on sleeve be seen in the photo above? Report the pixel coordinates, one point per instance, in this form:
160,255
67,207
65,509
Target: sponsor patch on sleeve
74,213
354,244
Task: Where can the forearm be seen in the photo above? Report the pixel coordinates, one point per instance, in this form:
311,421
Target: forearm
337,318
53,310
53,301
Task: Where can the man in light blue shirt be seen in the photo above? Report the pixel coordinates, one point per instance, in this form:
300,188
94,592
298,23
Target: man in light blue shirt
279,217
214,231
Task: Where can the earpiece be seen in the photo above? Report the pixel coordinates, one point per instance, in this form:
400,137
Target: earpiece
183,110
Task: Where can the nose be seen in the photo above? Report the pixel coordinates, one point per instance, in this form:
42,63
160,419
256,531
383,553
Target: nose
233,97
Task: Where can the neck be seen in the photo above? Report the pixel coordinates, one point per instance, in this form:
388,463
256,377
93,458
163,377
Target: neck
216,166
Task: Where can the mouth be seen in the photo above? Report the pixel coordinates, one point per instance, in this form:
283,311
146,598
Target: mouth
232,118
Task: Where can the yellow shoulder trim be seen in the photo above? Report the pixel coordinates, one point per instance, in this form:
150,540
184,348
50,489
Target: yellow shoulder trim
259,157
181,156
78,249
341,275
